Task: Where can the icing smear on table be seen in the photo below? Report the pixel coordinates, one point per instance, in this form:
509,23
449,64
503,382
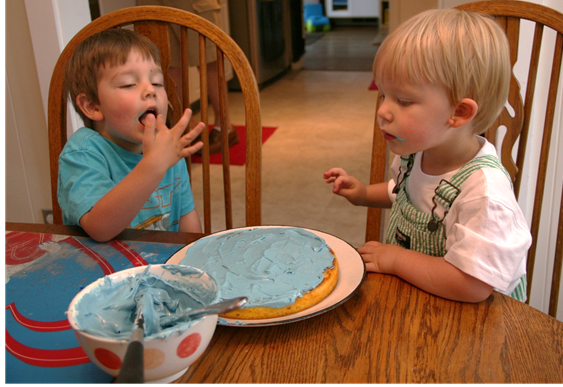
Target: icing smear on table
270,266
109,310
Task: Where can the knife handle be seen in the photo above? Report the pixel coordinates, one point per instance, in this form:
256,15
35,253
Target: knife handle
132,370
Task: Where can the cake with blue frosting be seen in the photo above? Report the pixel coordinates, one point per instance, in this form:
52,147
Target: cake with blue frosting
282,270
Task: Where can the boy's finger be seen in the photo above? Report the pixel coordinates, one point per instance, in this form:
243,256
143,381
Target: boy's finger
370,266
150,126
183,122
340,183
192,135
196,131
160,122
190,150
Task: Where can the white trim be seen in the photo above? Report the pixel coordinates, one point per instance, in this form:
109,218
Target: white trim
25,205
52,24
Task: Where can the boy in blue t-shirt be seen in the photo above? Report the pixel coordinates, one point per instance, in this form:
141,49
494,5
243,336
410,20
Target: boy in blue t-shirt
126,168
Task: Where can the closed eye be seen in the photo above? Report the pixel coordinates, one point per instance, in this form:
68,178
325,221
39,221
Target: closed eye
403,102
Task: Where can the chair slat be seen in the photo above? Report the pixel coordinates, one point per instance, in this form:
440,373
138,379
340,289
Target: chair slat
514,121
206,173
185,70
543,17
224,141
159,34
528,102
557,264
185,67
57,134
545,146
378,174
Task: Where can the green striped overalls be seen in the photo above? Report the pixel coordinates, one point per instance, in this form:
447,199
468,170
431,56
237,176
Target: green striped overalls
415,230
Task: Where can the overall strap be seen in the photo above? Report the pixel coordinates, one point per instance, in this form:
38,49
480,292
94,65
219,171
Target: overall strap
447,191
405,168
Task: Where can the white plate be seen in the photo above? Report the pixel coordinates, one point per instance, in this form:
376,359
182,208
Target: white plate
352,272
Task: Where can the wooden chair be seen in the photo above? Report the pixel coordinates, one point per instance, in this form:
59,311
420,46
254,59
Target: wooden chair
519,126
153,22
509,14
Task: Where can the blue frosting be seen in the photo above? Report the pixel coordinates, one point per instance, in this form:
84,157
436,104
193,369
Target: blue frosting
270,266
109,310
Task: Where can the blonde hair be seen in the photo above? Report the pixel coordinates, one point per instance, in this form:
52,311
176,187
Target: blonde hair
107,48
465,52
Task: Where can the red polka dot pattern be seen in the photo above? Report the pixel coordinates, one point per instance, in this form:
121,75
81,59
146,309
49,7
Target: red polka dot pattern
189,345
108,358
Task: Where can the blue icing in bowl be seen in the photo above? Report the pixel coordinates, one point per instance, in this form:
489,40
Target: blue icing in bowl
108,307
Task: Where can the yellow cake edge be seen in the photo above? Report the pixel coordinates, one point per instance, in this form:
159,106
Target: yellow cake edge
308,300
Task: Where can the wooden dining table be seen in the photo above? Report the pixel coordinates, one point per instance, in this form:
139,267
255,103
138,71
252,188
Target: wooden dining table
388,331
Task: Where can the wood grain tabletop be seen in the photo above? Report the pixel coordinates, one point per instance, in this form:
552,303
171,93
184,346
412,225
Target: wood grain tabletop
392,332
388,332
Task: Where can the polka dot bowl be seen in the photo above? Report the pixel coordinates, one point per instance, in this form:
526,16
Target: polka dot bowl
165,358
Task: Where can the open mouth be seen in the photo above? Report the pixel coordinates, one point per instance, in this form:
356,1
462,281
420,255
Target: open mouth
143,117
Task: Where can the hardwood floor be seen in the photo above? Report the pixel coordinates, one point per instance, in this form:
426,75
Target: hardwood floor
342,48
324,118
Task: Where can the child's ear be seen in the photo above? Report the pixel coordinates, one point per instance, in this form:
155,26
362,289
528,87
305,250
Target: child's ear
89,107
464,112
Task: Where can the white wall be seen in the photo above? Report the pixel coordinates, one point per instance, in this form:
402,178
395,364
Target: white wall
52,24
35,35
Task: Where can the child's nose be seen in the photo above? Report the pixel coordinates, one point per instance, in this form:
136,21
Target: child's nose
384,113
149,91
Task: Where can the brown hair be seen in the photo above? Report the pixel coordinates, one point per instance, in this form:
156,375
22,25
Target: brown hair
465,52
106,48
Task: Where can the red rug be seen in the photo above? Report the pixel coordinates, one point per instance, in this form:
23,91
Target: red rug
237,152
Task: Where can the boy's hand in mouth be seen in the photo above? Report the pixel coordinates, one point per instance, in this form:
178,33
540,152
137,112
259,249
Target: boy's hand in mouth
143,117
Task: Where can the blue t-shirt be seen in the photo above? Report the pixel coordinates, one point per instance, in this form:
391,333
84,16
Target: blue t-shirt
91,165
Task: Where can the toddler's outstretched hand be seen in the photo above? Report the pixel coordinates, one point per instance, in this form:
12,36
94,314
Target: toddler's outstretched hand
332,174
346,186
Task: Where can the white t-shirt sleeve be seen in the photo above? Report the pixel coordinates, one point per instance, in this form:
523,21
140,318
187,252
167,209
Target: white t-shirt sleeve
487,235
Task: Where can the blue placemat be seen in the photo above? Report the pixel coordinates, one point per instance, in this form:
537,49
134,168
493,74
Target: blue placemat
43,274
